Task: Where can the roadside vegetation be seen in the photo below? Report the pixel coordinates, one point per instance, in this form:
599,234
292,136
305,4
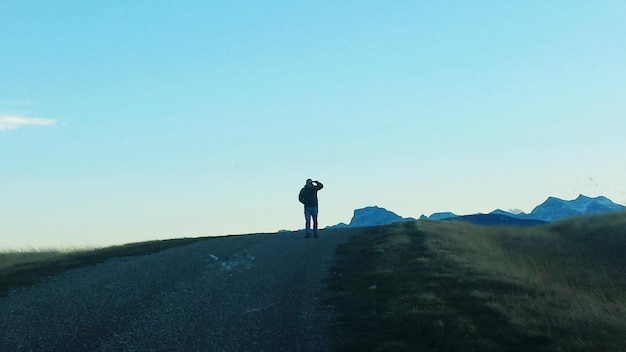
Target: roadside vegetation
25,267
454,286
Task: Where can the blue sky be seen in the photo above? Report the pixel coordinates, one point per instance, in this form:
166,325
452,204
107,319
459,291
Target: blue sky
124,121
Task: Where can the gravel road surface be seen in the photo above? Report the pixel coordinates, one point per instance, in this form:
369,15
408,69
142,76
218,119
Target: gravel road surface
237,293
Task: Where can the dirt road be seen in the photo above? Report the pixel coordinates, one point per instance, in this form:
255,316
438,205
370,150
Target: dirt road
238,293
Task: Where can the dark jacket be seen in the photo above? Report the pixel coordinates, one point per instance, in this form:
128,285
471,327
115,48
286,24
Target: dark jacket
308,195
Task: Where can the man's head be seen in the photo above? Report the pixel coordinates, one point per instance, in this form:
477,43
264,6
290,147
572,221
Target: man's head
309,182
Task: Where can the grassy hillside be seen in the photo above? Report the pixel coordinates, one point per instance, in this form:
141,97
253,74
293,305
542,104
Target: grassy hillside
453,286
448,286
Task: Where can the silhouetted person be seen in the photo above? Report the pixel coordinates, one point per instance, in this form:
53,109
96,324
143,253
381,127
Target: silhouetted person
308,197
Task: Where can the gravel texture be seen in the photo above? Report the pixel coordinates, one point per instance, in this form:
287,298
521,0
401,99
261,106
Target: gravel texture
237,293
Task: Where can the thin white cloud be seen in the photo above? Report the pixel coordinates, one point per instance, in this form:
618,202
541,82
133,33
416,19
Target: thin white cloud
13,122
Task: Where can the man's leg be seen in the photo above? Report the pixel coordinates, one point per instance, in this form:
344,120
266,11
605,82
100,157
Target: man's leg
307,221
314,215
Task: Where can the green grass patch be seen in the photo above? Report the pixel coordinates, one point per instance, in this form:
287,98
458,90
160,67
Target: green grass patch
453,286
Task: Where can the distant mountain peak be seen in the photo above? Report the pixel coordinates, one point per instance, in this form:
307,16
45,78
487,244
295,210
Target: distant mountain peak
551,209
442,215
374,216
554,208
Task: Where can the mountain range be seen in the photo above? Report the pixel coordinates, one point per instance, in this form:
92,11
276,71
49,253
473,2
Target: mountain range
550,210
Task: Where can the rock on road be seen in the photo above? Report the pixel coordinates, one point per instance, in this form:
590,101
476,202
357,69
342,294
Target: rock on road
237,293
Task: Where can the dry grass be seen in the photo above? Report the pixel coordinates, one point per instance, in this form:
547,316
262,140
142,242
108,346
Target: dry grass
16,258
573,269
454,286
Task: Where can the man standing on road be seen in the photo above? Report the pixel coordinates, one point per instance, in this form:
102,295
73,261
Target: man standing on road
308,197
